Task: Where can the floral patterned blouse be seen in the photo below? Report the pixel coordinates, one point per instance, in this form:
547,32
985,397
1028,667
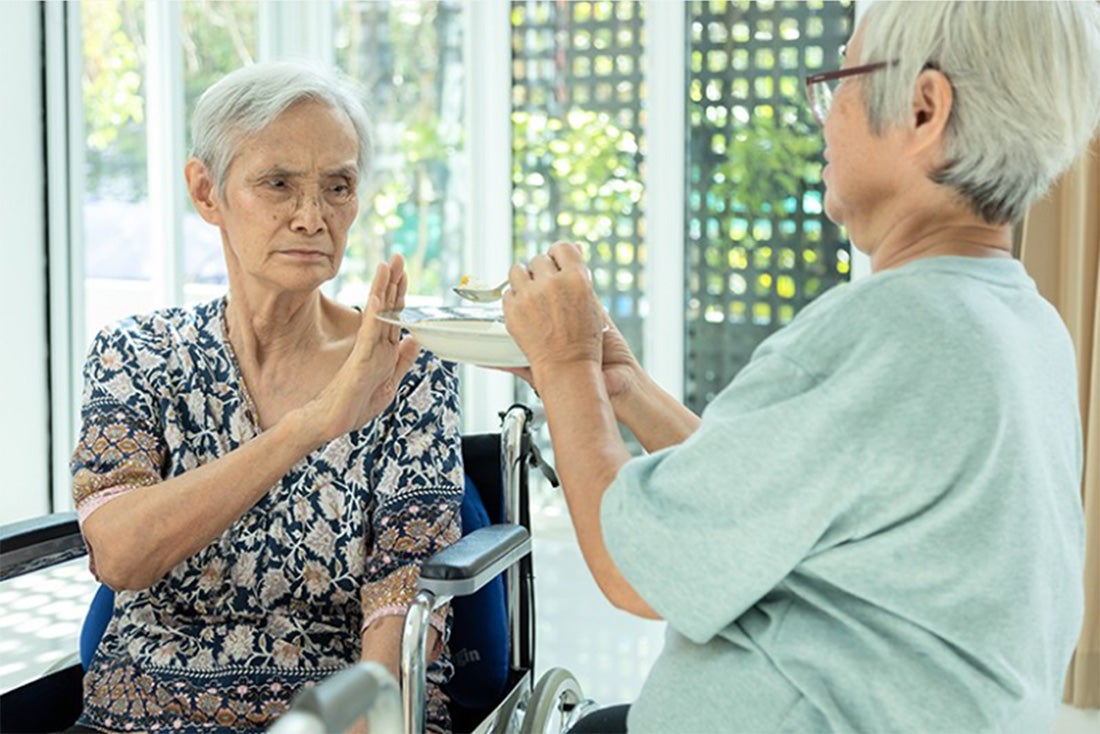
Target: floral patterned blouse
227,637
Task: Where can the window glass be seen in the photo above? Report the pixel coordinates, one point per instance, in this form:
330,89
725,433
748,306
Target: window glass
218,37
577,101
758,246
409,56
115,207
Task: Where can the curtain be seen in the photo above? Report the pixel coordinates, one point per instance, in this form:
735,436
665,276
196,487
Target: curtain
1060,247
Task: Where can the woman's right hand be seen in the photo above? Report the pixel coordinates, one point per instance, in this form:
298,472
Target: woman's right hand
367,381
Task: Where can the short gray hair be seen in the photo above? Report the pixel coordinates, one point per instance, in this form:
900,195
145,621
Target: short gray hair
249,99
1026,77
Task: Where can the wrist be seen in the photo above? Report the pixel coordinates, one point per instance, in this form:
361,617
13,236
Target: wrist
629,390
302,428
636,399
574,376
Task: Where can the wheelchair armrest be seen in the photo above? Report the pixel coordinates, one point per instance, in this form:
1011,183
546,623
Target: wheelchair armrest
474,560
39,542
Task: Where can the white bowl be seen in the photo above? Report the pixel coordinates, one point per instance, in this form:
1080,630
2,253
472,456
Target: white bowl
462,334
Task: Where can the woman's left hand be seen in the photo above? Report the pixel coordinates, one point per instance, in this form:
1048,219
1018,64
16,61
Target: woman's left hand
551,310
367,381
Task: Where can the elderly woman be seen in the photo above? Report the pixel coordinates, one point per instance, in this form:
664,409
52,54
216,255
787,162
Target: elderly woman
259,477
877,525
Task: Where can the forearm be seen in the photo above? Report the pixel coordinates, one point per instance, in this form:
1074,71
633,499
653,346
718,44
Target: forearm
140,536
656,418
588,453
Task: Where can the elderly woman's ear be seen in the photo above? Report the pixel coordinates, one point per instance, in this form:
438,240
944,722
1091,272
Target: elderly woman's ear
933,98
200,185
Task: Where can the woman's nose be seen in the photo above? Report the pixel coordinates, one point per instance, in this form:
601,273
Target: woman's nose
308,215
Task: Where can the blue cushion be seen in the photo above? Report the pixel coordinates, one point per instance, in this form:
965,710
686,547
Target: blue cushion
479,636
99,614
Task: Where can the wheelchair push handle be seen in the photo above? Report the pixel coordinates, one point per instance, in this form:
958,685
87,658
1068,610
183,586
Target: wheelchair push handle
363,691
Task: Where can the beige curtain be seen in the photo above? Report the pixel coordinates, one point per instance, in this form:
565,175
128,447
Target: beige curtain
1060,247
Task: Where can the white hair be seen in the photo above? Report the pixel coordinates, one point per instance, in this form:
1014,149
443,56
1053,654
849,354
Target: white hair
1026,80
247,100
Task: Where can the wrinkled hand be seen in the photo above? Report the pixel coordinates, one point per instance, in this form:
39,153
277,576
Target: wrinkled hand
551,310
621,370
367,381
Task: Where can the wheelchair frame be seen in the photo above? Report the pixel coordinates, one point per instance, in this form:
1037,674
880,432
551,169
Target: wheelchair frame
469,564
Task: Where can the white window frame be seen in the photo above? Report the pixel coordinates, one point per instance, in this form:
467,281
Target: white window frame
666,131
65,182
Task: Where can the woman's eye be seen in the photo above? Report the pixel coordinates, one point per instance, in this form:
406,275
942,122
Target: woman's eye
340,191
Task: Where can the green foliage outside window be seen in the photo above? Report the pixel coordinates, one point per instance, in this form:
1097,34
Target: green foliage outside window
114,102
217,37
582,161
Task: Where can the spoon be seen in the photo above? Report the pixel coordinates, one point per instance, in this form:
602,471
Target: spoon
480,295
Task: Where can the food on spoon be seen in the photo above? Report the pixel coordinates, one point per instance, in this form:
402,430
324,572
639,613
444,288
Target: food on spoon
469,281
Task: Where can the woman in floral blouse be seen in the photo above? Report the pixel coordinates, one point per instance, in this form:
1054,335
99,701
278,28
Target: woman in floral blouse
260,477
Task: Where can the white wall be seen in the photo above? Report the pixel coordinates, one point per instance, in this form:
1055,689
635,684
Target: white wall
24,399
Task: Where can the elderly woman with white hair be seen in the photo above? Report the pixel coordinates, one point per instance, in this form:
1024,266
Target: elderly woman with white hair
877,525
259,477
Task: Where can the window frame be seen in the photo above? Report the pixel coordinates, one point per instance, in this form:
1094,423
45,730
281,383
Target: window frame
65,262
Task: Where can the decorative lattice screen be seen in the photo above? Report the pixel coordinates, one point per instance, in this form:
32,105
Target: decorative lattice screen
577,105
758,245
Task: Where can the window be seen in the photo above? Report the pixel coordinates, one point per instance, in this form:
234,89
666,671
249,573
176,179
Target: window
671,139
578,133
758,246
409,58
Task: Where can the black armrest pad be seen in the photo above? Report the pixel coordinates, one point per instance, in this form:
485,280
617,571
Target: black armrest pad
16,535
475,552
42,541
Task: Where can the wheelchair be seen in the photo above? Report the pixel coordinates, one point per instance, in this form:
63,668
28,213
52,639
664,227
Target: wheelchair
487,576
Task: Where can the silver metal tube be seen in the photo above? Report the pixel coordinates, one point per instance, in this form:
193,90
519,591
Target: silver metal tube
385,715
364,690
511,453
414,660
512,457
297,722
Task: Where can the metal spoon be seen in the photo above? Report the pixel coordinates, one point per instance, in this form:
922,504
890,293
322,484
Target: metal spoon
481,295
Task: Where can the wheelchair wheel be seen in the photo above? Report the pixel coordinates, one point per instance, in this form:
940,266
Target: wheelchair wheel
552,701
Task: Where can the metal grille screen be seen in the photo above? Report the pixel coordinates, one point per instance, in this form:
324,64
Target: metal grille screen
758,246
577,93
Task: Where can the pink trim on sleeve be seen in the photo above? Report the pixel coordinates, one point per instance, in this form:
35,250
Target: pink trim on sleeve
100,498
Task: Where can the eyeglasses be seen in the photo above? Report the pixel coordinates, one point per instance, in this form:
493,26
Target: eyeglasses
820,88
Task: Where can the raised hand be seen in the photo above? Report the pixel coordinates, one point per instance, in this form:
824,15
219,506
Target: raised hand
380,358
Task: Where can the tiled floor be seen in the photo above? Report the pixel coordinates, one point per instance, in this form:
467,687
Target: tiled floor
607,650
40,618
